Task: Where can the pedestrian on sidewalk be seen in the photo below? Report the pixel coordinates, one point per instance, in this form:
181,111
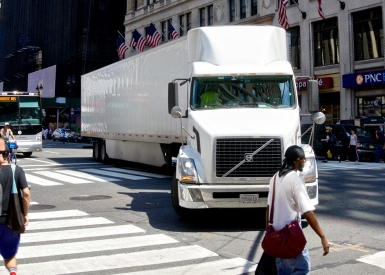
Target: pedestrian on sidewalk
325,142
353,145
291,200
380,145
10,240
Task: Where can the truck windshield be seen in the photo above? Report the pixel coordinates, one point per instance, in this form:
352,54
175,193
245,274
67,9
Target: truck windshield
242,92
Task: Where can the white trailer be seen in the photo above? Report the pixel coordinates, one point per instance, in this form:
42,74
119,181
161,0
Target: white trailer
237,111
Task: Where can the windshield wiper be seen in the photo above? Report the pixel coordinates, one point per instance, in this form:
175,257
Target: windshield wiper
258,103
214,105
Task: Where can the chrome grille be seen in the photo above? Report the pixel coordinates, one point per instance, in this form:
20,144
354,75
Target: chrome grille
229,152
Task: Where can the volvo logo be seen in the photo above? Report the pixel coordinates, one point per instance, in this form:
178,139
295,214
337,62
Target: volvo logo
249,157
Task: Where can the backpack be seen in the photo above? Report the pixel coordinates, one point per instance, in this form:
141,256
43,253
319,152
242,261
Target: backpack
333,139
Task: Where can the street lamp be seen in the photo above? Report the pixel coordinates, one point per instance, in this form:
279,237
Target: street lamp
70,82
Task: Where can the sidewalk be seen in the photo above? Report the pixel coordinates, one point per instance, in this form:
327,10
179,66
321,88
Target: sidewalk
335,165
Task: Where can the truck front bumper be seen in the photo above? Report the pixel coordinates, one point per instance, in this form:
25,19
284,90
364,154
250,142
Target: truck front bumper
194,196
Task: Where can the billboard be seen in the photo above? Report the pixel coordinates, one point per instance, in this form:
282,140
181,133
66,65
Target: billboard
44,80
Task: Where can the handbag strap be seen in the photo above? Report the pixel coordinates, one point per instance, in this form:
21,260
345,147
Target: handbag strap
14,187
272,203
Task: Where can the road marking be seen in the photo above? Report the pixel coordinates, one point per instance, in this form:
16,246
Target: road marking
375,259
42,161
80,233
66,223
52,152
114,174
226,267
56,214
92,246
61,164
87,176
339,247
146,174
40,181
61,177
125,260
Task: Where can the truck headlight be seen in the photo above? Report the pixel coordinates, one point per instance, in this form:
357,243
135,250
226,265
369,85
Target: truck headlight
309,172
188,172
38,137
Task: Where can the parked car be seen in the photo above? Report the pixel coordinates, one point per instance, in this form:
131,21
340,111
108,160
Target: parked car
76,137
367,145
57,134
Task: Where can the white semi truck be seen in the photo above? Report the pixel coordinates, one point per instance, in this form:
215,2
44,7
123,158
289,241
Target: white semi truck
237,111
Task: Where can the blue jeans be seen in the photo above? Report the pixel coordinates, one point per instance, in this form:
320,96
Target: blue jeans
296,266
379,151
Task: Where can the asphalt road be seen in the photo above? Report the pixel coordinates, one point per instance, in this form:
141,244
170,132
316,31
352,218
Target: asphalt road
91,218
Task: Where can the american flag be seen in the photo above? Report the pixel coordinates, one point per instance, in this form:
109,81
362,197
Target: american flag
121,47
137,40
320,11
153,37
173,32
282,18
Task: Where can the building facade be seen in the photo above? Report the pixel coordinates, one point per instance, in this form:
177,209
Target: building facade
76,36
344,50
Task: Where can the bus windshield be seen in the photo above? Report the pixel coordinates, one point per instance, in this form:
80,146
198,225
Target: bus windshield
19,110
243,92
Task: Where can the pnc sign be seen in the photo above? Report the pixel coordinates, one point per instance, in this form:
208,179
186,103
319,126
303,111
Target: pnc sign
363,79
323,83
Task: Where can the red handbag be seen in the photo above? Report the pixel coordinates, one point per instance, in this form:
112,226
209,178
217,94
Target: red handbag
286,243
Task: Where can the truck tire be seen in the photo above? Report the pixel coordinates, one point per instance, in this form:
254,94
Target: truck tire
103,153
27,154
181,211
96,150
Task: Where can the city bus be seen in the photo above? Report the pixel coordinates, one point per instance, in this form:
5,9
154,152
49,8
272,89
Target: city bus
22,110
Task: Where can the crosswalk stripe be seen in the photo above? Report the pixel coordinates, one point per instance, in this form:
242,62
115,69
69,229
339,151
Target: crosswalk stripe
56,214
146,174
114,174
92,246
226,266
67,223
80,233
125,260
61,177
375,259
40,181
86,176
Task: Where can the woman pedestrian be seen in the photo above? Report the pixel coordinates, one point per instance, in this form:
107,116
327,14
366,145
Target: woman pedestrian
291,200
353,144
325,142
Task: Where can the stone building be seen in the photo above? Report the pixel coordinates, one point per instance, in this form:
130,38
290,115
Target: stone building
344,51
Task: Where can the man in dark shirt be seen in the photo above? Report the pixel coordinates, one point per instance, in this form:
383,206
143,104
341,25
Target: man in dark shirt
10,240
380,144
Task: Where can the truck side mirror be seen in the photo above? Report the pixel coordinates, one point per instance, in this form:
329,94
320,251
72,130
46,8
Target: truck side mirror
172,95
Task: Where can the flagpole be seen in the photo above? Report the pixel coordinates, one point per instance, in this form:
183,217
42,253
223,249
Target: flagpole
122,37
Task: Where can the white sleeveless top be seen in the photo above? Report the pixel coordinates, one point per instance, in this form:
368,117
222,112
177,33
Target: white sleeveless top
352,140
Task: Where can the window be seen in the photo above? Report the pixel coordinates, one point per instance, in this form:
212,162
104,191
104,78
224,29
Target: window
202,17
210,10
169,21
371,106
163,27
368,34
181,24
232,10
326,44
295,47
188,21
254,7
242,9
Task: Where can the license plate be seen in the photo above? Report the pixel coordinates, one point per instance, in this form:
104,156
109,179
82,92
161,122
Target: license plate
249,198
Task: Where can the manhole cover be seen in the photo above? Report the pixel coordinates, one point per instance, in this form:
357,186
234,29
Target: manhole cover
41,206
90,198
